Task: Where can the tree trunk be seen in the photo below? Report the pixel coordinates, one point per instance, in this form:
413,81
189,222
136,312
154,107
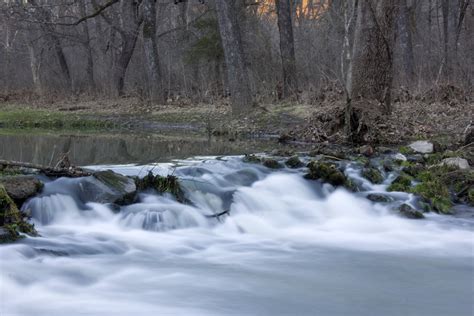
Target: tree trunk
373,52
445,12
87,46
35,65
151,51
287,48
406,43
237,73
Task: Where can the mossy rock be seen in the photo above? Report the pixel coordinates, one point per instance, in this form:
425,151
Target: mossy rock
351,185
406,150
294,162
12,222
326,172
169,184
409,212
379,198
436,194
373,175
470,196
251,159
401,184
413,169
271,163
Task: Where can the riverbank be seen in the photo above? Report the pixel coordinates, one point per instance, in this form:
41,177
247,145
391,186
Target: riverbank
442,116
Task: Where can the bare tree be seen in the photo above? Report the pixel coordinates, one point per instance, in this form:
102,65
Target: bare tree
287,47
373,51
237,75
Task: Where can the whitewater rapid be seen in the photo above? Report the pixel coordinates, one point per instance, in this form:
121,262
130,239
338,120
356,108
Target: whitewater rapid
289,246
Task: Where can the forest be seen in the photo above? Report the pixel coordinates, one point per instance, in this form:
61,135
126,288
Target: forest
236,157
363,59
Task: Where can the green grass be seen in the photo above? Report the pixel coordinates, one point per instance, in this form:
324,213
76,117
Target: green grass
41,119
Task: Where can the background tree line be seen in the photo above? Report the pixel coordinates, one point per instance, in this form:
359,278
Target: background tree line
253,51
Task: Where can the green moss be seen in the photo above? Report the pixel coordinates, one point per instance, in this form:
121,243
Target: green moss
401,184
373,175
405,150
294,162
169,184
470,196
11,219
327,172
251,159
436,194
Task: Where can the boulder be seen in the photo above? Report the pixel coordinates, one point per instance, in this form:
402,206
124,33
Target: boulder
457,162
422,147
271,163
108,187
327,172
20,188
399,157
379,198
294,162
366,150
373,175
409,212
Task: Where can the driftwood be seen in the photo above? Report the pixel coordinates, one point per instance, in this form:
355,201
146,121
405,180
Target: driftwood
71,172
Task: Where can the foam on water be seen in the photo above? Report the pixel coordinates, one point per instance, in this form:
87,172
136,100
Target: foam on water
289,246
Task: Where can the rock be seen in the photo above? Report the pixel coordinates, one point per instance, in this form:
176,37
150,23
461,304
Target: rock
373,175
294,162
327,172
108,187
282,152
20,188
422,147
12,221
409,212
251,159
169,184
399,157
401,184
388,165
457,162
384,150
416,158
271,163
366,150
379,198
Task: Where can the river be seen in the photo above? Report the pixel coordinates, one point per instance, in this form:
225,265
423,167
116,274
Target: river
289,246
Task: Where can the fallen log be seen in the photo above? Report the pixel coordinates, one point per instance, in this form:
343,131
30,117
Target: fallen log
71,172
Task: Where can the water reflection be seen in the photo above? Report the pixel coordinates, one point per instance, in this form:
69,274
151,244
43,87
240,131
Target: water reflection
117,149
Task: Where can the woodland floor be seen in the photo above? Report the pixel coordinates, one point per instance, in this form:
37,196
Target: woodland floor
442,116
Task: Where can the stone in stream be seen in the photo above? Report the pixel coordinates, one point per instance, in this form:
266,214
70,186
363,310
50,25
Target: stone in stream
399,157
327,172
294,162
20,188
373,175
409,212
12,221
456,162
379,198
108,187
422,147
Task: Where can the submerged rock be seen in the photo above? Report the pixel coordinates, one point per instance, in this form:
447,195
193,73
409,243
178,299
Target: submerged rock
379,198
251,159
108,187
456,162
422,147
409,212
20,188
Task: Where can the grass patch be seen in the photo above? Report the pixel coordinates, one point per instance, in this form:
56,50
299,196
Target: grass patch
42,119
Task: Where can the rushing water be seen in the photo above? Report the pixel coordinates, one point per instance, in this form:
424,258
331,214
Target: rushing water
289,247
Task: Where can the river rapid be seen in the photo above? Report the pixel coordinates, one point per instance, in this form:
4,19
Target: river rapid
288,246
